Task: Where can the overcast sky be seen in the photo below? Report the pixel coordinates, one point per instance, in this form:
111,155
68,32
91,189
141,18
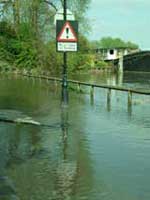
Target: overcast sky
127,19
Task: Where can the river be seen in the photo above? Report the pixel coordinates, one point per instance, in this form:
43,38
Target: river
90,151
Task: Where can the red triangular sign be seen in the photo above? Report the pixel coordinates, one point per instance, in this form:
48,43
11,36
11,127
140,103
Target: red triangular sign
67,34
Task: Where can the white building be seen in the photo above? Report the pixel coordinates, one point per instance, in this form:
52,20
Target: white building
112,54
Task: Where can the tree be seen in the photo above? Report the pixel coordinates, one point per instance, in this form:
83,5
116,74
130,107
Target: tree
109,42
79,8
31,24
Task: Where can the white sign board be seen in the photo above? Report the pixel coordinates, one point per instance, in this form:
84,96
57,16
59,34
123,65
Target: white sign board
64,46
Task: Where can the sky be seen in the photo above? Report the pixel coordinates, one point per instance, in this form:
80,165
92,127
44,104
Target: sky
126,19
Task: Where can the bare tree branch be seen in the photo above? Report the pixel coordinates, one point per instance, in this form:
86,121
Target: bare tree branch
51,4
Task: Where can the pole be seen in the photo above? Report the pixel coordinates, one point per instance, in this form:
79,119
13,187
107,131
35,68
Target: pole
120,63
64,79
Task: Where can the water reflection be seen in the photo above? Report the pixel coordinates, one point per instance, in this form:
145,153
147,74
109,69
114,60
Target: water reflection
101,78
74,168
64,128
41,171
119,79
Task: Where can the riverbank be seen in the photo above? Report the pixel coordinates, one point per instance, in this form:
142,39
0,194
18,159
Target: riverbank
5,67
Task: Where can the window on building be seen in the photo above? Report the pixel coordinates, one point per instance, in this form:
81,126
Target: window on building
111,51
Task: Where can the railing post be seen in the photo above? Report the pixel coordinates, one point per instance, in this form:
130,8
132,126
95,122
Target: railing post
40,80
92,94
47,80
130,102
92,91
129,98
120,64
33,80
78,87
109,99
55,82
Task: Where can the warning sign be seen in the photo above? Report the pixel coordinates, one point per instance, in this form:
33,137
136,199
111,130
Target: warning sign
67,35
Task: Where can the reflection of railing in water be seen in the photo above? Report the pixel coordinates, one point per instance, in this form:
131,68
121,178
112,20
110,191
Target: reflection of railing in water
130,91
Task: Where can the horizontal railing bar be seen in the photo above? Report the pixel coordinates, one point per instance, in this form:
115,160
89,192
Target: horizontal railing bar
111,87
93,84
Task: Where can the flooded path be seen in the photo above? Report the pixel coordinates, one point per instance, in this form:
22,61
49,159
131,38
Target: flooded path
88,152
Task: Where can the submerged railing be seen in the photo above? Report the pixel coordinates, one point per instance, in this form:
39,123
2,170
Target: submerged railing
130,91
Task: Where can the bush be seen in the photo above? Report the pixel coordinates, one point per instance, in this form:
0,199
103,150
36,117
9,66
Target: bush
79,61
101,65
27,57
26,52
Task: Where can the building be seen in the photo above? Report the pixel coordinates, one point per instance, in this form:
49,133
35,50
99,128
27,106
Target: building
108,54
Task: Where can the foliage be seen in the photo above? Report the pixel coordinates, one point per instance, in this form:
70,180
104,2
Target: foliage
79,7
27,35
79,62
109,42
101,65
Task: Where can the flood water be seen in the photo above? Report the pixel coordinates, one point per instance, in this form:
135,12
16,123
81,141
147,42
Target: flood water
90,151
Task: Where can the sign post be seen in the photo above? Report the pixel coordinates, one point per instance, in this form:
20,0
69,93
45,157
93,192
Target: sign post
64,80
67,41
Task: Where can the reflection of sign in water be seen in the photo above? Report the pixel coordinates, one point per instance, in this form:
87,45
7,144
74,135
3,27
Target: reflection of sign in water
67,35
